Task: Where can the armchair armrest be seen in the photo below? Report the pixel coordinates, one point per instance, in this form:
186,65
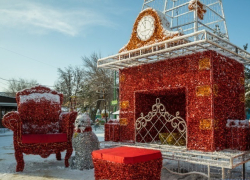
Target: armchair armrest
11,120
66,122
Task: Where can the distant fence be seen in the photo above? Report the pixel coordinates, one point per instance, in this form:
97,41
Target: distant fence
3,130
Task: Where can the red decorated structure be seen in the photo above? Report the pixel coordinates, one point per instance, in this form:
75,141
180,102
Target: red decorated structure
39,126
183,89
112,131
203,88
206,88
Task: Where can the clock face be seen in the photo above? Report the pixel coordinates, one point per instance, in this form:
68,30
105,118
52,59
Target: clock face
145,28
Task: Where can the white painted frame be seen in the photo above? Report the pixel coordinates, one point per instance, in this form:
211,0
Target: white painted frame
176,47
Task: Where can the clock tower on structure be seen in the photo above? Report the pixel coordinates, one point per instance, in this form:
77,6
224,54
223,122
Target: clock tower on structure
151,26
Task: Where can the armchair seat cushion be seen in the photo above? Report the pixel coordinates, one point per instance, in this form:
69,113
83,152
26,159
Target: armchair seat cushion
44,138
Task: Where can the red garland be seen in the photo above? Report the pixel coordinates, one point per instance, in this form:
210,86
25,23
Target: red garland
237,138
41,117
175,81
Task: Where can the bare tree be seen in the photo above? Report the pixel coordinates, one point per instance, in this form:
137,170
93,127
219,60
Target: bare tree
15,85
92,86
69,82
98,87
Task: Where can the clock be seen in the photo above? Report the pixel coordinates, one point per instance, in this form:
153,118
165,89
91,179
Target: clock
145,28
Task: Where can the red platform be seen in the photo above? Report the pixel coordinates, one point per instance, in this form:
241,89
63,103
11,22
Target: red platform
127,163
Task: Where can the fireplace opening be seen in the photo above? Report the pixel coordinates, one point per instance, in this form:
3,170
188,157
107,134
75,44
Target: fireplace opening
160,117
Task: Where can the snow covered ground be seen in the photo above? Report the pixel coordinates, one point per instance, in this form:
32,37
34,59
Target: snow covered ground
37,168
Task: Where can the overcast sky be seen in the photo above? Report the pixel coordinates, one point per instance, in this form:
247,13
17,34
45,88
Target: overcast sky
38,36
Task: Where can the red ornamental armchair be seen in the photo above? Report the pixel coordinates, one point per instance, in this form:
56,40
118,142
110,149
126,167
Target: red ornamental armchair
39,126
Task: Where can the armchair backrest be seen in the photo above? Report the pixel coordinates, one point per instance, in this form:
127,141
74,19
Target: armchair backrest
39,105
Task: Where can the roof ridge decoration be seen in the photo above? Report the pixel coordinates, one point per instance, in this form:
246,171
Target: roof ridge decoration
161,32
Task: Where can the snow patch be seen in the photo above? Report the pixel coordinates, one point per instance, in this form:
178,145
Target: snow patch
237,123
37,97
113,121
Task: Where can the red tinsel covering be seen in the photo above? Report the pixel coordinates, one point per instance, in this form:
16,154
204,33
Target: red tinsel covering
112,131
113,171
176,82
228,75
237,135
36,111
33,117
11,120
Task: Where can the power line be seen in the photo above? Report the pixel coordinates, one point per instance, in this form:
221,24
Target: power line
4,83
28,57
21,82
12,80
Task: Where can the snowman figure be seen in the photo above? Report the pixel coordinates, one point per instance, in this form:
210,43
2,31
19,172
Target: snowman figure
84,141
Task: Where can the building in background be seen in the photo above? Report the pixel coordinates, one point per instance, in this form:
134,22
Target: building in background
7,104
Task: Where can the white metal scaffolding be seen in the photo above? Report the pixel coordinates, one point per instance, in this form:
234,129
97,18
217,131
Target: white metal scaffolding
182,19
188,44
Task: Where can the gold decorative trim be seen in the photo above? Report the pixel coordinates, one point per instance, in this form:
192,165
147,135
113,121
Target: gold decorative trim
204,64
203,90
205,124
242,97
124,104
242,81
123,121
122,78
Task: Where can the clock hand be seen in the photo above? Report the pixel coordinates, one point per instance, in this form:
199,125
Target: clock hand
144,24
145,30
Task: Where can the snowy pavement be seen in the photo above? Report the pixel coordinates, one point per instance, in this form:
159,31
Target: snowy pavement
37,168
